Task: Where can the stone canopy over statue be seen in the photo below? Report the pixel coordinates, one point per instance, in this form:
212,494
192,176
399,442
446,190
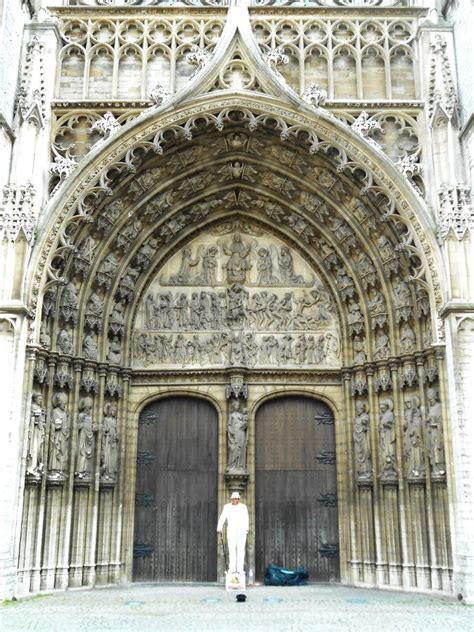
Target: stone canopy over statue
236,297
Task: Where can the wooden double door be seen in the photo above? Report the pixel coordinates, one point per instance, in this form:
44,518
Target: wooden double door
176,492
296,500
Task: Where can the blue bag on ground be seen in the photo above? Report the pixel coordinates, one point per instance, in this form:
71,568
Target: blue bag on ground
276,576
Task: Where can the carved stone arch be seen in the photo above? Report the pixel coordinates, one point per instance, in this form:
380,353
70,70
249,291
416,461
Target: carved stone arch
405,205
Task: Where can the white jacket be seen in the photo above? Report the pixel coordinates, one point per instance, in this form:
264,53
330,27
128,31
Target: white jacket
237,517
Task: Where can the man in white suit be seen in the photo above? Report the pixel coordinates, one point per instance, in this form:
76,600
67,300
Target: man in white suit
237,517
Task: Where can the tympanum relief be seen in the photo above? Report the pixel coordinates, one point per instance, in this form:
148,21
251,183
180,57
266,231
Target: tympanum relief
236,299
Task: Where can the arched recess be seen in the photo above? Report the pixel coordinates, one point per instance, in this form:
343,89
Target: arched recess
296,493
176,491
305,178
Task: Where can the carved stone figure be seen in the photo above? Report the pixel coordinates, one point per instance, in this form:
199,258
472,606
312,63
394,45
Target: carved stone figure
415,466
387,440
65,342
109,448
435,433
237,356
358,346
59,437
361,438
382,346
34,456
207,274
355,318
238,262
107,271
94,310
85,255
115,351
85,440
237,438
69,303
187,267
89,346
403,300
407,338
286,267
236,306
265,267
117,320
45,338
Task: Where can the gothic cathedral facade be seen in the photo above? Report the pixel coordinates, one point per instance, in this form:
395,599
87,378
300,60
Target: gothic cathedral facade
236,255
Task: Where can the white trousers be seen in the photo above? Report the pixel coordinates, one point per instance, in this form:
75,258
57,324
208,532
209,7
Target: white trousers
236,544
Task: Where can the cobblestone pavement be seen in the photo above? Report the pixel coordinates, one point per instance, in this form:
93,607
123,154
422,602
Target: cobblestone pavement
173,608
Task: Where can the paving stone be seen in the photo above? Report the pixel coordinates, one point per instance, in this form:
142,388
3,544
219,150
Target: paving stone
146,608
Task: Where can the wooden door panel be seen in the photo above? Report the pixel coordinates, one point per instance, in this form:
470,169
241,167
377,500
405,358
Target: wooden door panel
296,514
176,507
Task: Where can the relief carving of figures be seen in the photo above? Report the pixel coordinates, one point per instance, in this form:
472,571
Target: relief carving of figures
314,309
237,438
238,262
413,439
236,305
85,440
68,305
36,431
109,448
435,433
407,338
387,440
220,348
65,342
59,438
362,449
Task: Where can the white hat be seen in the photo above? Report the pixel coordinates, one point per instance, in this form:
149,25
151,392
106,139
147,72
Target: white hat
235,495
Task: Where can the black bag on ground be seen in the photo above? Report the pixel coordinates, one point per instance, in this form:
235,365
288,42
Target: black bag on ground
276,576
